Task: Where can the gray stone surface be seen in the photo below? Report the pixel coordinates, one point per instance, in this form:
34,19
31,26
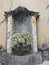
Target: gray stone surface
45,55
44,63
8,59
22,60
38,58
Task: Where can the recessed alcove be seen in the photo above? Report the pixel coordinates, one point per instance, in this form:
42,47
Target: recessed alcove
21,20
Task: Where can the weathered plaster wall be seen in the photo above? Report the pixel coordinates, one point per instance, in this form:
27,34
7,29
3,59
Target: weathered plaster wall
47,9
35,5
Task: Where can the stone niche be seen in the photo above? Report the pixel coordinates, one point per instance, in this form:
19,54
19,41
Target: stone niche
19,21
21,37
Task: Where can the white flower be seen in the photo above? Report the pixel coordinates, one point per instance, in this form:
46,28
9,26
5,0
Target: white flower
20,37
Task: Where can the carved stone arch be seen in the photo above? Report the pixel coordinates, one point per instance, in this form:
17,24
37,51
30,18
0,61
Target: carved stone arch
23,15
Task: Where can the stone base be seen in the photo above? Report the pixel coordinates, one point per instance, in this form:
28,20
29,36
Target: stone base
22,60
8,59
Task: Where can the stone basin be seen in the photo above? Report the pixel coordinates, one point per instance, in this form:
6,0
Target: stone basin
8,59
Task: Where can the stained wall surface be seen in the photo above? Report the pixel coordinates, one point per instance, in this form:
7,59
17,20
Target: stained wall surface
34,5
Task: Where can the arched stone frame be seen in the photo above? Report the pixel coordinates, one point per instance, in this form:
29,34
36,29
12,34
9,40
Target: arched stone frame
9,30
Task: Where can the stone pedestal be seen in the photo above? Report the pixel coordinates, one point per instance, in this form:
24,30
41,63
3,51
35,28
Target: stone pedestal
22,60
8,59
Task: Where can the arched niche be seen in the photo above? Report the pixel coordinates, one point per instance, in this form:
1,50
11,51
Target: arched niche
19,20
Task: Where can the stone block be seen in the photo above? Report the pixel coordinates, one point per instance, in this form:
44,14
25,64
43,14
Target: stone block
8,59
22,60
